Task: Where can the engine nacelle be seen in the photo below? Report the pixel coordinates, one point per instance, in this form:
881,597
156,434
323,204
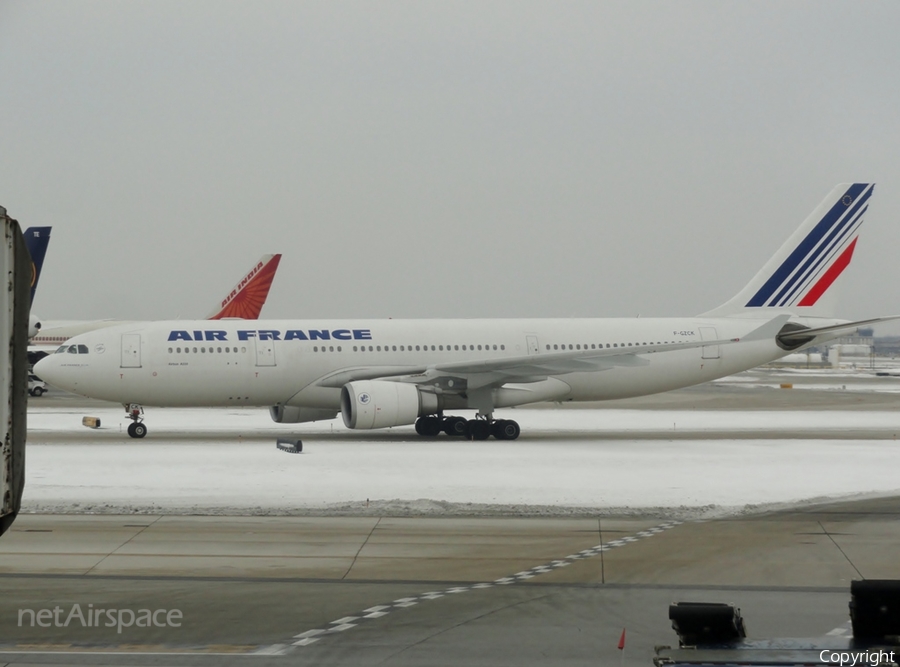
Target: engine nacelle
290,414
378,404
34,326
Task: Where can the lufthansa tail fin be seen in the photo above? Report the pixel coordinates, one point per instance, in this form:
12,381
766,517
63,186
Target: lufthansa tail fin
247,298
36,241
800,277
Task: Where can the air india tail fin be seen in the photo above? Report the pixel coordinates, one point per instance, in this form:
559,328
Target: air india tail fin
247,298
36,240
800,277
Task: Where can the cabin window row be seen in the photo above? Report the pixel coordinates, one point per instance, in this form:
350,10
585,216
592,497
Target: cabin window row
205,350
598,346
426,348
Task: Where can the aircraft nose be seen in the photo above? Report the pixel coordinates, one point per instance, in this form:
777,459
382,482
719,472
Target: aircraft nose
51,372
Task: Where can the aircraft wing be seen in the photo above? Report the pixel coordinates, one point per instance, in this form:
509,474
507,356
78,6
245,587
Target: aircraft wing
528,368
537,367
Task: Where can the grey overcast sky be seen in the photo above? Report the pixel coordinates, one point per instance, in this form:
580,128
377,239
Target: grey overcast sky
442,159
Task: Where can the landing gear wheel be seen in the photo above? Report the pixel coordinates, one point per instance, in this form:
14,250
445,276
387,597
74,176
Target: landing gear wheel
455,426
428,426
137,430
505,429
479,429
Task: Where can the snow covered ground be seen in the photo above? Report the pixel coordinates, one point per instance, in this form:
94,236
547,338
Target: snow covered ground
225,461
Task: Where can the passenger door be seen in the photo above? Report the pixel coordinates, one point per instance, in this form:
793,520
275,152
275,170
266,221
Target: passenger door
131,350
265,353
709,351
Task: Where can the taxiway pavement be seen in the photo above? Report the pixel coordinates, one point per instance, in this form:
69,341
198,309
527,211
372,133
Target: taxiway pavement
439,590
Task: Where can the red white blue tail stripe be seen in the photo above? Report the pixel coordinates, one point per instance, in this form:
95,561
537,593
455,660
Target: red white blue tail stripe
820,257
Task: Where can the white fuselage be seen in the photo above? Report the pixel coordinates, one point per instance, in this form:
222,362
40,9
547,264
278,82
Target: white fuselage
301,363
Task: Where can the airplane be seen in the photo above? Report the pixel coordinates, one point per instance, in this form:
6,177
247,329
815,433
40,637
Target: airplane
36,241
386,373
244,301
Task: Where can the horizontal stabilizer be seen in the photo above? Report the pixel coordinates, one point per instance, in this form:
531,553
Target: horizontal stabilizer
806,335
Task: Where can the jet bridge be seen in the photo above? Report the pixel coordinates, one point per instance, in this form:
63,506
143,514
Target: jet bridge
15,264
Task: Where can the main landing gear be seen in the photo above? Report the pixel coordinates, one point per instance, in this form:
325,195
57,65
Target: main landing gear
136,429
471,429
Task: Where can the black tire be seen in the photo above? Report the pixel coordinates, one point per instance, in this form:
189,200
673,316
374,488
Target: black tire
137,430
505,429
37,391
455,426
479,429
428,426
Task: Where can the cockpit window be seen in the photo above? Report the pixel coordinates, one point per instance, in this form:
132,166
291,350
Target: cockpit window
73,349
82,349
61,349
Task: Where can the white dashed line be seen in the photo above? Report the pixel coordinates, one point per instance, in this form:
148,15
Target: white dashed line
342,627
306,641
343,624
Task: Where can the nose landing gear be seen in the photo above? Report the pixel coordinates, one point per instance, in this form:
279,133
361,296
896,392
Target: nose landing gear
136,429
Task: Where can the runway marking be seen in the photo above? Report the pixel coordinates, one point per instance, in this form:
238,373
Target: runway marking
342,624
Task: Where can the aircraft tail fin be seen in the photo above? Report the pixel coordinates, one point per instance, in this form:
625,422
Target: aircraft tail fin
247,298
36,240
800,277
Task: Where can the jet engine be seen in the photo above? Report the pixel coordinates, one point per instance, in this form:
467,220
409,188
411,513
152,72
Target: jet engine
291,414
34,326
369,404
